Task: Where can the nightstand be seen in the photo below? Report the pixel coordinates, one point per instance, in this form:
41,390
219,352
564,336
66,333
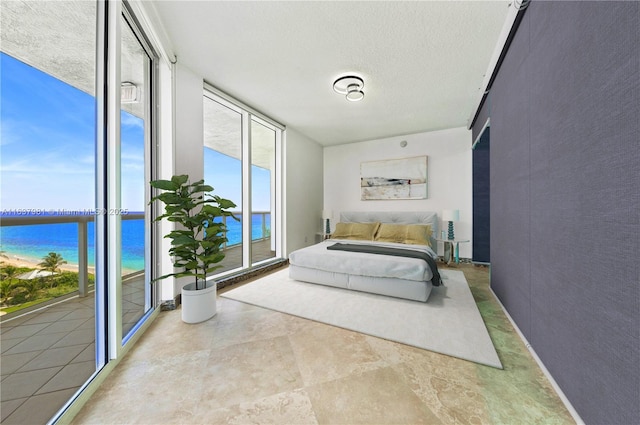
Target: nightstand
450,251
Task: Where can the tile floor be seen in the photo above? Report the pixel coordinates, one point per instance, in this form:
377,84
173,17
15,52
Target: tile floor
252,365
46,357
48,354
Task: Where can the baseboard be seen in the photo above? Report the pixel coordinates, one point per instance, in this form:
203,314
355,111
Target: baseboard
554,384
251,273
232,279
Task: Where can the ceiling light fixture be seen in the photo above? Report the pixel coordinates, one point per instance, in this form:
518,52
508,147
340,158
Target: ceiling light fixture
350,86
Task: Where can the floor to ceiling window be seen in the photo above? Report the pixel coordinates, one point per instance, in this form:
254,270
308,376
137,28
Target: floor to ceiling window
58,305
223,168
264,139
47,169
241,149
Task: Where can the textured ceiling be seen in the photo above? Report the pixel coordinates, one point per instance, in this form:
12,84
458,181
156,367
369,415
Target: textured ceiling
423,63
58,38
55,37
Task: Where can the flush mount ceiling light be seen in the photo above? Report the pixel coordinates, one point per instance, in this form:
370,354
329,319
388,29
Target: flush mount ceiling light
350,86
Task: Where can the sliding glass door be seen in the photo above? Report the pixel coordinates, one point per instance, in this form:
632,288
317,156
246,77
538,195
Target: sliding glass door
47,175
135,171
74,171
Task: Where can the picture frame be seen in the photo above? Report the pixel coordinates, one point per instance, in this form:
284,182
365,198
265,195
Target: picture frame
393,179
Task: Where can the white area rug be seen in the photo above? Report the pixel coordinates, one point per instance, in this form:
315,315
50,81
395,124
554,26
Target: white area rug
448,323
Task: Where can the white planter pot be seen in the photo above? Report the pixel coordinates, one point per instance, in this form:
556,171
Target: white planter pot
200,305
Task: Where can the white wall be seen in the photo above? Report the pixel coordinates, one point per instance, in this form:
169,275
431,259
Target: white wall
449,180
165,171
189,128
189,134
303,190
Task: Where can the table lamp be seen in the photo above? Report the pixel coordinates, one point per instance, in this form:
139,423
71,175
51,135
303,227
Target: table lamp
326,215
450,216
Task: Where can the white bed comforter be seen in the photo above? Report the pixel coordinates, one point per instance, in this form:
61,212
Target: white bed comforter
358,263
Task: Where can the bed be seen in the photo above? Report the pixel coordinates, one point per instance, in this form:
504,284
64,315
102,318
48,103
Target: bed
394,274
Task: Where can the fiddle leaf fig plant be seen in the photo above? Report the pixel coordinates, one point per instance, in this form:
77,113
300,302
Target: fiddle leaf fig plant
196,244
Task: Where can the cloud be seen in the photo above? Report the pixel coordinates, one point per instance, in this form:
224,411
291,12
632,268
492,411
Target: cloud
9,133
128,120
132,166
46,168
88,159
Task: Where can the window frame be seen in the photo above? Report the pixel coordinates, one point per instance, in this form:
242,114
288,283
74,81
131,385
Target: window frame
248,115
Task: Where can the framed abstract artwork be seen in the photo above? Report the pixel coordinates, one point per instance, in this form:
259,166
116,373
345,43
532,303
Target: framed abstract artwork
404,178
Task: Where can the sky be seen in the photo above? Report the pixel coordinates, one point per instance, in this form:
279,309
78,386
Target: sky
47,148
47,144
224,173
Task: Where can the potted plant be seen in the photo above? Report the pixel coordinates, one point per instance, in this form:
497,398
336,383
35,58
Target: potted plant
196,244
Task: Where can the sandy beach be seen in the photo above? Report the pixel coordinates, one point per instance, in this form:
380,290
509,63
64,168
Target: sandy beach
32,263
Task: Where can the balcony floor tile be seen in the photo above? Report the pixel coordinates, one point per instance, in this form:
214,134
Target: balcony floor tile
25,384
53,357
12,362
9,406
23,331
47,317
77,337
63,326
39,409
9,343
71,376
36,342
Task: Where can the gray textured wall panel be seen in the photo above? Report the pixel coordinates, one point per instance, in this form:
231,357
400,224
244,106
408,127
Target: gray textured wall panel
581,160
583,104
510,209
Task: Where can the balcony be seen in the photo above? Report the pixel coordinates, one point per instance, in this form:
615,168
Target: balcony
48,350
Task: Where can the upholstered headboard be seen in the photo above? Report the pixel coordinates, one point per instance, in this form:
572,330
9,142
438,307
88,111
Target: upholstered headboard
399,217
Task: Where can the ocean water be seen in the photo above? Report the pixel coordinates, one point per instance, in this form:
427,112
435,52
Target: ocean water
36,241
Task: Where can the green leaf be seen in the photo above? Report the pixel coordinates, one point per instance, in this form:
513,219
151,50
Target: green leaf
225,203
202,188
170,198
215,258
164,184
213,268
164,277
180,180
186,273
191,265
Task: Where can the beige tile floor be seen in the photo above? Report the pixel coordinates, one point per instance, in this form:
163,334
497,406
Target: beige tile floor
250,365
48,354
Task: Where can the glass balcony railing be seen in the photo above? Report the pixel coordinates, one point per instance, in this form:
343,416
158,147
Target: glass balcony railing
31,237
260,227
27,241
